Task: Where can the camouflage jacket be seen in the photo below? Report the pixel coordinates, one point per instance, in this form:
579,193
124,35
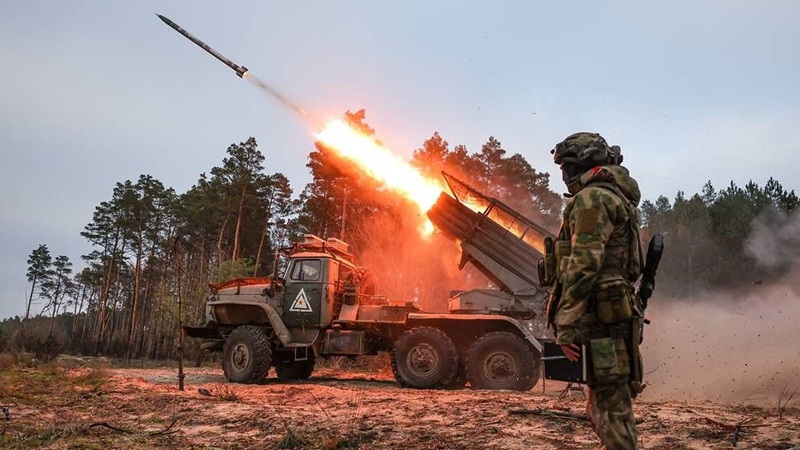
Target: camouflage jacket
597,223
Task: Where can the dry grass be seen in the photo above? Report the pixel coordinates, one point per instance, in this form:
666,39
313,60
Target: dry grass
53,407
97,408
786,395
7,361
378,364
291,440
225,392
94,379
24,388
32,386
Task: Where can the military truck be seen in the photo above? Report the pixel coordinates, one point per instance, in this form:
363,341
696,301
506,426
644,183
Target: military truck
324,305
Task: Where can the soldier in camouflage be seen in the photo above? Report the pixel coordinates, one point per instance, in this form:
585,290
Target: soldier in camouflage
598,257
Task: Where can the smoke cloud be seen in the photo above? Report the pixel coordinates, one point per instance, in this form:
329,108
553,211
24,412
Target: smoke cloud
774,241
409,267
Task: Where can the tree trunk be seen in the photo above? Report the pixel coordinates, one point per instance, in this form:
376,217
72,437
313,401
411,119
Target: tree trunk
236,238
178,263
145,316
103,300
86,320
78,306
111,319
55,304
261,246
220,255
30,297
137,274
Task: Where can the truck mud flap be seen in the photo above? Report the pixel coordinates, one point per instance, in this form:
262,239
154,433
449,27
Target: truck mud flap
208,331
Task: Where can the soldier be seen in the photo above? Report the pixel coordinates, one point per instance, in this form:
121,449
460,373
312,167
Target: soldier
598,258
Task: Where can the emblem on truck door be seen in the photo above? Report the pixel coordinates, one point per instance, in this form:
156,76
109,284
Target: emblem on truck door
301,303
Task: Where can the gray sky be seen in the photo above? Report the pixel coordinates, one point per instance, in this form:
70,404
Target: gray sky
96,92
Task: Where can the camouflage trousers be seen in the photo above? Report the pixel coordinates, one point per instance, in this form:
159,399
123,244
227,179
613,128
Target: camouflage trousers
610,409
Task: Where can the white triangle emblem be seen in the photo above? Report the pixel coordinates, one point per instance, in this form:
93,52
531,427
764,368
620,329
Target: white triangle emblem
301,303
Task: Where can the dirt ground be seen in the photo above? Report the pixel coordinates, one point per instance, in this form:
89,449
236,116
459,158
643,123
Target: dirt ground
99,407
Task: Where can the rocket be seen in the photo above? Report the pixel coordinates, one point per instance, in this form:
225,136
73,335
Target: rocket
240,70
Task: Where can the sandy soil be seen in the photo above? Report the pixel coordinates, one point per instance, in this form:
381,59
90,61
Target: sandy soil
143,408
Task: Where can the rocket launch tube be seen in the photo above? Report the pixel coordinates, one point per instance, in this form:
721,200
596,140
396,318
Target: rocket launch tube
240,70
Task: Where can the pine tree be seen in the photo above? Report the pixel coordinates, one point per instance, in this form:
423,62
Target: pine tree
39,271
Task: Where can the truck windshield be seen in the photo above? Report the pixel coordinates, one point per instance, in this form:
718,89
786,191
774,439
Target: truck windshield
305,270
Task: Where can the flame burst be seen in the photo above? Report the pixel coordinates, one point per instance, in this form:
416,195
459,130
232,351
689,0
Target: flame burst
384,166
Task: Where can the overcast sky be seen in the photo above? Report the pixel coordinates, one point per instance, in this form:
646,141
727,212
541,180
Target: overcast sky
97,92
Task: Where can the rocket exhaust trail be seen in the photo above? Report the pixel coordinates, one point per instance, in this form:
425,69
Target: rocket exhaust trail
275,94
241,71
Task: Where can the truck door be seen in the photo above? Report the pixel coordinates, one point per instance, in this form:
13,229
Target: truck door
302,304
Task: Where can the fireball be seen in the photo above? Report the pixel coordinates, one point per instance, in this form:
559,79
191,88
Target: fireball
392,171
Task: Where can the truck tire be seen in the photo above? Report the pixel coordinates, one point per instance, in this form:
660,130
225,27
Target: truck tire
502,360
295,370
424,358
247,355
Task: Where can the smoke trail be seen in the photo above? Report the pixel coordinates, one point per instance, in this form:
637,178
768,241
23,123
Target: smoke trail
275,94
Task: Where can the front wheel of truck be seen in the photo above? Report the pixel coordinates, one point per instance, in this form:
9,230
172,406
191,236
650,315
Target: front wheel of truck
502,360
424,358
246,355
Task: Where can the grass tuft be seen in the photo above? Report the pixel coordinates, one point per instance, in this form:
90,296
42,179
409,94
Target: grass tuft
7,361
226,392
291,440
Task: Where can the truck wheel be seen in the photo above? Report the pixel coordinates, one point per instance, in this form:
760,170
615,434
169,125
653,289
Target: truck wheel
295,370
247,355
424,358
502,360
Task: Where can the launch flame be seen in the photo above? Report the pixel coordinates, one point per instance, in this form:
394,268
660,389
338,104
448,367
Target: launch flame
382,165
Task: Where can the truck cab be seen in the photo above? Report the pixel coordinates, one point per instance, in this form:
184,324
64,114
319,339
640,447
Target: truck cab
313,282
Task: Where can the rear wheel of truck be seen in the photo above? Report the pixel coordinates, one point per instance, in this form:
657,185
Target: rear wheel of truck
502,360
424,358
247,355
295,370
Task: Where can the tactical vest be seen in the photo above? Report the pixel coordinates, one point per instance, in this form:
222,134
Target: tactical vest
622,262
623,254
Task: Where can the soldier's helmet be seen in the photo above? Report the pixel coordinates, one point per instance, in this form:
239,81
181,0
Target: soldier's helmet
586,150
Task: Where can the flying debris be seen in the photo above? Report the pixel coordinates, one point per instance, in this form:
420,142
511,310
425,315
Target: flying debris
240,70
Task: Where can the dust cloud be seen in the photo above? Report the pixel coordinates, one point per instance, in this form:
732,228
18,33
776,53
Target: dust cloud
740,345
721,348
